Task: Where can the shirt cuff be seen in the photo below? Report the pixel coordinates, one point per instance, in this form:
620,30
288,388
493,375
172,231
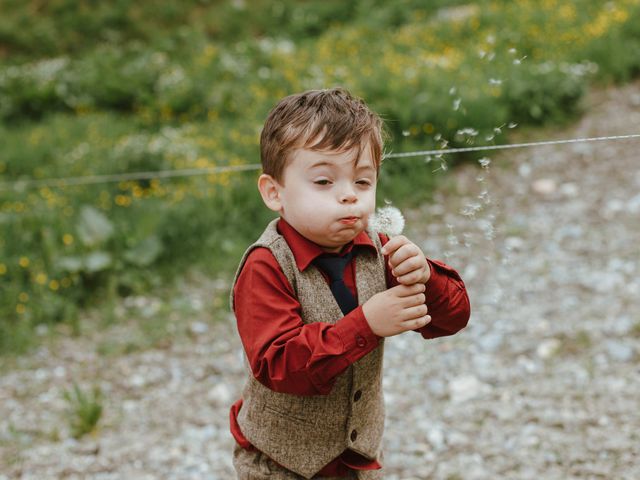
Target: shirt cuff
357,337
440,275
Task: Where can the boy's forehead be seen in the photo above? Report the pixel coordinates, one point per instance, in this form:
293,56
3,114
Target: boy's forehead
309,158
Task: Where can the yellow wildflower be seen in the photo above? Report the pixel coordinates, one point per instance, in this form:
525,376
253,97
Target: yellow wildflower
24,262
123,200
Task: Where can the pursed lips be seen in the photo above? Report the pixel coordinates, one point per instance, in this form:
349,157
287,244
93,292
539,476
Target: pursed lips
349,220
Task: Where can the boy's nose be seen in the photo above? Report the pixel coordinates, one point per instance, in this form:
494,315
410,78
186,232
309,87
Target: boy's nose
348,196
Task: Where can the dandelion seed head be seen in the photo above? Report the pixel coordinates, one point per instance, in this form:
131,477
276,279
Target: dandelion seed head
388,220
405,133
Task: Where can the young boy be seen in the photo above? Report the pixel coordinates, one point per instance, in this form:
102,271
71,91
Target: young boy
315,296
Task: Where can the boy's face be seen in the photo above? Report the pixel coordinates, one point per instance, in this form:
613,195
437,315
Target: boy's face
326,196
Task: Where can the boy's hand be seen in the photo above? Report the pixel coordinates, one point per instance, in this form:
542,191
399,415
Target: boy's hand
407,262
397,310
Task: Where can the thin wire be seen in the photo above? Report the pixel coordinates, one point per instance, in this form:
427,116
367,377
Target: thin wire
121,177
503,147
19,185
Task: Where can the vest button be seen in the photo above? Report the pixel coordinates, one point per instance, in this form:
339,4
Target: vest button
354,435
357,395
360,341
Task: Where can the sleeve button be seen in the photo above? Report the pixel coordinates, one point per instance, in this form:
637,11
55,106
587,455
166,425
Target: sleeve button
360,341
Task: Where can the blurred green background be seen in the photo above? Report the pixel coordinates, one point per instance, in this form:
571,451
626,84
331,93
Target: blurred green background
94,88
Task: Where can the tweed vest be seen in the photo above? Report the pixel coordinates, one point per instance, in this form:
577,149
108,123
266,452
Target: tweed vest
305,433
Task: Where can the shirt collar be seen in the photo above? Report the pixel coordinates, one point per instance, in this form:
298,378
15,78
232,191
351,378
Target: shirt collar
305,251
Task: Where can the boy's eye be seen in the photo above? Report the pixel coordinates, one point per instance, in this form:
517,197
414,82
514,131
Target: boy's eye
322,182
363,182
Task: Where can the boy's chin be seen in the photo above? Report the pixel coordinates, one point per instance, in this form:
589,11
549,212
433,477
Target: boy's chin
337,245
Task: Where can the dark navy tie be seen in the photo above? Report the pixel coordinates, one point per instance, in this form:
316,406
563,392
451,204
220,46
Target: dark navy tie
334,267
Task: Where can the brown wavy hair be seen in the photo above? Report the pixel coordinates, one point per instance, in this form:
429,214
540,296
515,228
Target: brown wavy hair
330,119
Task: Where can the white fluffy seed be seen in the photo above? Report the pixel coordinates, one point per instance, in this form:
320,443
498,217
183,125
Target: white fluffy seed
388,220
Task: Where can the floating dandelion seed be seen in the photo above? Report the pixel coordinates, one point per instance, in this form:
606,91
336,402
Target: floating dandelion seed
456,104
405,133
512,125
452,91
467,131
471,209
452,240
488,230
484,162
512,50
495,81
388,220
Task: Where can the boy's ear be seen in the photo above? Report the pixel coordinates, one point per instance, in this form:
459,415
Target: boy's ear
270,192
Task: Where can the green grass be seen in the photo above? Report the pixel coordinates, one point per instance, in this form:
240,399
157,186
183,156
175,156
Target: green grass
127,86
84,410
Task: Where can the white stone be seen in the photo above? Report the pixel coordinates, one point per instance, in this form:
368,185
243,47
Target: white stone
544,186
569,190
619,351
220,394
198,328
548,348
436,438
466,387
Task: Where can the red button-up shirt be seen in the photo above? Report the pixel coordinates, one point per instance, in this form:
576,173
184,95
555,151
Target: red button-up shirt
291,357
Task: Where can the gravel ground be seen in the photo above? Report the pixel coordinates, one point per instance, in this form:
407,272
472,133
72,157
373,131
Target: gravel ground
543,383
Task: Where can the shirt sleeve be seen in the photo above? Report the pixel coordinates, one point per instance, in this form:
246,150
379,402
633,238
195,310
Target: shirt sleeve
446,298
285,354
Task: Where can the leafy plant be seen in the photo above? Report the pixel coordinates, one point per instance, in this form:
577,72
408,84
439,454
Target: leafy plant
84,410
